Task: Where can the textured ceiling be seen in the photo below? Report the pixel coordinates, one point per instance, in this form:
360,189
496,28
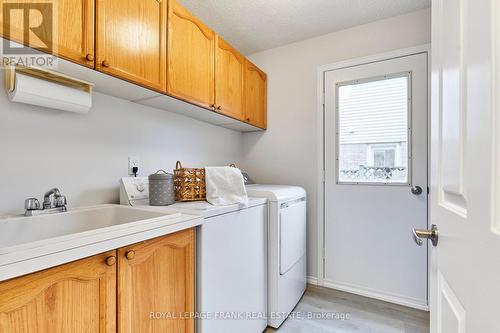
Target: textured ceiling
256,25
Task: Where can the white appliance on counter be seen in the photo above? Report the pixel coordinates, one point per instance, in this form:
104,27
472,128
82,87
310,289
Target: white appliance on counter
231,261
286,247
134,191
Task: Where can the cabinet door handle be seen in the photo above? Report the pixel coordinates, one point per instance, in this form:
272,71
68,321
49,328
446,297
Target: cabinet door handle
89,57
248,119
219,107
111,260
130,254
213,106
105,63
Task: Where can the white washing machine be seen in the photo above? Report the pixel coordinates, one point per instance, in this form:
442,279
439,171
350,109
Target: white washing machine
286,247
231,260
231,266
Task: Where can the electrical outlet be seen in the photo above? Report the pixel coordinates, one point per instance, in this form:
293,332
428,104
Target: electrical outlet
133,161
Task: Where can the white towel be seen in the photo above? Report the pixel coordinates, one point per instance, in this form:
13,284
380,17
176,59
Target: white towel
225,186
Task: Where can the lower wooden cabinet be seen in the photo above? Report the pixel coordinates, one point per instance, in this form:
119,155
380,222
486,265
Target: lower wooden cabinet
156,285
75,297
145,287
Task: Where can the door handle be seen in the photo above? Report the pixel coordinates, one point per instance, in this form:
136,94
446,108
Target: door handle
416,190
431,235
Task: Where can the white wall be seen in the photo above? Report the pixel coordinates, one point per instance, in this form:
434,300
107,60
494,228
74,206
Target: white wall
86,155
287,152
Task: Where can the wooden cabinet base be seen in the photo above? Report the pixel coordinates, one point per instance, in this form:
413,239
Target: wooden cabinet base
146,287
75,297
156,285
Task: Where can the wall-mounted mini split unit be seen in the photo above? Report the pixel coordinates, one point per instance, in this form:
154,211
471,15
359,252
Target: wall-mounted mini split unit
42,87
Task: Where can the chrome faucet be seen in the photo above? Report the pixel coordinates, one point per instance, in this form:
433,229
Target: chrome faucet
58,205
47,203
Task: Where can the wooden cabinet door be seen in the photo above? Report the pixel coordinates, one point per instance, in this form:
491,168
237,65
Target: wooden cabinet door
75,297
72,34
229,80
157,277
131,41
190,57
255,96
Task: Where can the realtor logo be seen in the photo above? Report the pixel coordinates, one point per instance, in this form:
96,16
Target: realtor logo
28,28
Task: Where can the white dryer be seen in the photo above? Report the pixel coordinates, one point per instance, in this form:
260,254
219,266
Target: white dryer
286,247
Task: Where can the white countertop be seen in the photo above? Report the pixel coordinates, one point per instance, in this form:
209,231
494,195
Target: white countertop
25,256
28,256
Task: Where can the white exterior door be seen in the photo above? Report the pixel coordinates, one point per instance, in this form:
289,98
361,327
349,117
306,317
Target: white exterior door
465,184
375,153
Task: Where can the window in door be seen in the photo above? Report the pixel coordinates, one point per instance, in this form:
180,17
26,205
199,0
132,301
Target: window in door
373,130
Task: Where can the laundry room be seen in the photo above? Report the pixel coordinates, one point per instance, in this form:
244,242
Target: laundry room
203,166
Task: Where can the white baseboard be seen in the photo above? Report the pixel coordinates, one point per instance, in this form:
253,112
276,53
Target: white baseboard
312,280
396,299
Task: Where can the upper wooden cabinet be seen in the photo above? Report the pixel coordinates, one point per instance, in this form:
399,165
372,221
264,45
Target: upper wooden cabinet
75,297
157,276
190,57
131,40
73,33
255,96
153,43
229,80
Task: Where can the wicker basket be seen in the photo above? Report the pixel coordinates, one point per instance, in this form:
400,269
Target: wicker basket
189,183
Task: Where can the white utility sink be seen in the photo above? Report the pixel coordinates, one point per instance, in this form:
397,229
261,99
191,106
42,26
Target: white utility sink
105,221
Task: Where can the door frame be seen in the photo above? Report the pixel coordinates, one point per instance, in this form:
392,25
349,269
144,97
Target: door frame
320,140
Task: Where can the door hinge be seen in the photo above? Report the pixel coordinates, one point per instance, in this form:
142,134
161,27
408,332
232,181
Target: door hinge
324,176
323,254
